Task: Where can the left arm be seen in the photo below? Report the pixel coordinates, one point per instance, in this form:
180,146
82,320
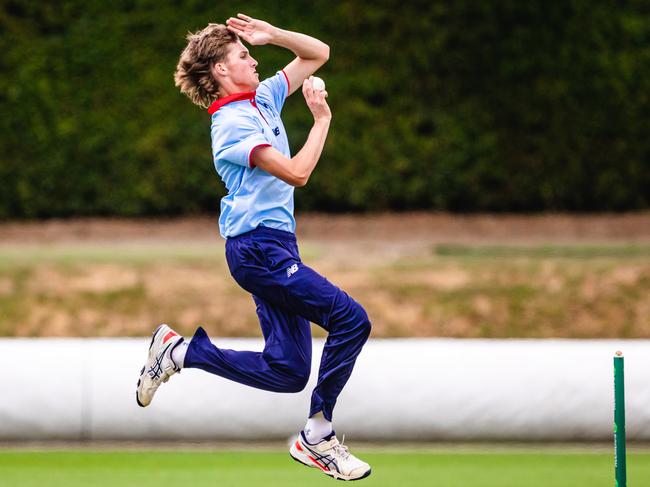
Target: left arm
310,53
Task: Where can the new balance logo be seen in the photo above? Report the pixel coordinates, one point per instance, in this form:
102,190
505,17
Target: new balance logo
292,270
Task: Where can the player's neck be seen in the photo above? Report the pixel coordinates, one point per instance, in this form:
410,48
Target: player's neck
227,89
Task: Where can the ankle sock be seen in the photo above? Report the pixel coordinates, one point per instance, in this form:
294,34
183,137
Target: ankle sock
178,353
317,428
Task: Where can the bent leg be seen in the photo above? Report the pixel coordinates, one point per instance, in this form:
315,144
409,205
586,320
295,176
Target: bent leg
308,294
283,365
267,263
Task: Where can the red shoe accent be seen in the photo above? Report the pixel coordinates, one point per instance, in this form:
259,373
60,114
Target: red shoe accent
321,466
318,464
169,335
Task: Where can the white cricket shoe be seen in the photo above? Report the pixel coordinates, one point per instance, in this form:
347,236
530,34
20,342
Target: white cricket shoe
332,457
159,366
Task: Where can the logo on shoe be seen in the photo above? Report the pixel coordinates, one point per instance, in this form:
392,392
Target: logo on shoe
169,335
156,369
292,270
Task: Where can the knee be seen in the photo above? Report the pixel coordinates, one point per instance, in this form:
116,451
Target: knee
350,319
292,375
362,322
297,380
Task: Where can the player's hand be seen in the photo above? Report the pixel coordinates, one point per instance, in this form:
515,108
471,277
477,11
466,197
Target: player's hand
255,32
316,101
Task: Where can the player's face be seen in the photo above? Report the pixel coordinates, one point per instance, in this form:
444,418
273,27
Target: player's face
241,67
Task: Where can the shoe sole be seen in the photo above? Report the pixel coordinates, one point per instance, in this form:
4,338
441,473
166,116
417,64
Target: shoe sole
153,338
304,459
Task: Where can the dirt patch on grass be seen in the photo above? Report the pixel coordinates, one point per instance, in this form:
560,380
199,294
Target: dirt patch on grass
121,277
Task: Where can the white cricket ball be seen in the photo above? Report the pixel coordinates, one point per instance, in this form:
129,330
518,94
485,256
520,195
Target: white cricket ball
317,83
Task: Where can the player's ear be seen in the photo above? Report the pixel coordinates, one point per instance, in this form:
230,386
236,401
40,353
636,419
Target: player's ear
219,69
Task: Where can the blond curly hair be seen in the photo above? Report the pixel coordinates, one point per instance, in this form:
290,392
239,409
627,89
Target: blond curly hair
193,73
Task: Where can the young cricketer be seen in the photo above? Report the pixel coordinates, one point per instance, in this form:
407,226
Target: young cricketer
251,154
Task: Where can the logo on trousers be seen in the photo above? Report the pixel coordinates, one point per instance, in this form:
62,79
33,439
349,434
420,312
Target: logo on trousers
292,270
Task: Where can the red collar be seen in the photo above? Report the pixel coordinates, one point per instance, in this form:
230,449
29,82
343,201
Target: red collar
247,95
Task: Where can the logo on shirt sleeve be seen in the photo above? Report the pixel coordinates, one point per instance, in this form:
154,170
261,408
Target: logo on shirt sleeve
276,131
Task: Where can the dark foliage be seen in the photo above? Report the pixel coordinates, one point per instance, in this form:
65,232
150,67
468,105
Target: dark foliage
464,106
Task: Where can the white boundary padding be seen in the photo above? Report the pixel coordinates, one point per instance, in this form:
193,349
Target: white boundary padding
402,389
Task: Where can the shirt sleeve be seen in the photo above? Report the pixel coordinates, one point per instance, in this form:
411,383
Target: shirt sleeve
236,140
274,90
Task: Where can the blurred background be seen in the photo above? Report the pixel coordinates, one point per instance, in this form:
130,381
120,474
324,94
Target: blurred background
448,109
497,106
486,176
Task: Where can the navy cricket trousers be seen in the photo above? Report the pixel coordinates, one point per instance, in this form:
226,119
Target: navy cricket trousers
288,295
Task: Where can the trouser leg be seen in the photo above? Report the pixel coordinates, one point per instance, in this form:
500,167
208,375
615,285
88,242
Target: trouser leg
349,328
283,365
275,273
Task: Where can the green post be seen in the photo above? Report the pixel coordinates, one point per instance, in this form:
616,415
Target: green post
619,421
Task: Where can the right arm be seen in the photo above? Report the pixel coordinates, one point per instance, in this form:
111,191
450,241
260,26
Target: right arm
296,171
310,53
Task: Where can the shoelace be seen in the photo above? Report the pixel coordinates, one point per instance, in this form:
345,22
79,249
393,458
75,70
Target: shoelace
340,449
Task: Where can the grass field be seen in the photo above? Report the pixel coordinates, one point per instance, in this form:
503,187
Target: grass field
270,469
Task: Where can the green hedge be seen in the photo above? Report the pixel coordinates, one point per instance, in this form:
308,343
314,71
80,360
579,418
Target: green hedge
464,106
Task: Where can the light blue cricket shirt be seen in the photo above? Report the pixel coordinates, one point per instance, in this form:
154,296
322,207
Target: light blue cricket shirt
242,123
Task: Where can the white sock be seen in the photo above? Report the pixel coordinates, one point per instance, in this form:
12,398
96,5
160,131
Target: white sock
178,354
317,428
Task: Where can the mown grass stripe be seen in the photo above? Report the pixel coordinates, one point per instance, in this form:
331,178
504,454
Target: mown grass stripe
275,469
542,251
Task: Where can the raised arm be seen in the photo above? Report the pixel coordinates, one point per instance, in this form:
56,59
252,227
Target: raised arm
310,53
296,171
